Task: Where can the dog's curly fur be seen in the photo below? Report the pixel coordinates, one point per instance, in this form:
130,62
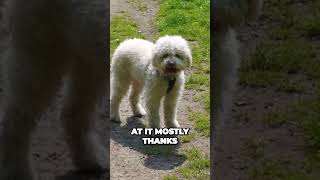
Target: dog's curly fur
49,39
148,66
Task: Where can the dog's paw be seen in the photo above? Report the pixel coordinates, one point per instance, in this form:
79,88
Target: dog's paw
140,114
139,111
172,124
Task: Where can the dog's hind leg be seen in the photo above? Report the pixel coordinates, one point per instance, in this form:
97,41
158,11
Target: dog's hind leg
119,88
32,85
85,92
136,89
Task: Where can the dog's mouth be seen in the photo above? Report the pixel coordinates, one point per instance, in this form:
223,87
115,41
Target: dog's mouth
171,70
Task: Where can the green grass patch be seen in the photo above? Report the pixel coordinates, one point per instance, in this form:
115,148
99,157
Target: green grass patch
291,23
282,33
279,11
287,52
288,56
190,19
275,119
205,98
278,170
274,61
197,167
198,82
202,122
122,27
309,26
286,49
170,178
187,138
279,80
307,114
304,114
255,147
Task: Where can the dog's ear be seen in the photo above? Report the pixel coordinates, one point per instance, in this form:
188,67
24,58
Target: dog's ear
155,57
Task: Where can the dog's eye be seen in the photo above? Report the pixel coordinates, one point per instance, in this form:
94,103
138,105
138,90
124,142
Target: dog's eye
178,56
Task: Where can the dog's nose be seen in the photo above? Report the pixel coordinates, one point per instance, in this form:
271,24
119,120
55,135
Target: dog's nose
171,64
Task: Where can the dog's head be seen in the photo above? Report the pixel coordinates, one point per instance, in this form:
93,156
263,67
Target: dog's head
171,54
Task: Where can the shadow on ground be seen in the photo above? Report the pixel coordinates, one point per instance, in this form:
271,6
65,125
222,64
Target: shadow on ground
158,157
76,175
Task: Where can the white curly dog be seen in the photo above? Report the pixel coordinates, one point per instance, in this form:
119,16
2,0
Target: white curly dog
158,69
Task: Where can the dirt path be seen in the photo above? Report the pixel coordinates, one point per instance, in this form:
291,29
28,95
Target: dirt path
144,18
129,159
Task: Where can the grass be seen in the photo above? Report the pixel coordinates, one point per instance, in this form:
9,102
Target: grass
187,138
122,27
284,56
281,81
278,170
255,147
277,58
197,167
202,122
170,178
198,82
274,62
275,119
305,115
287,48
184,16
287,51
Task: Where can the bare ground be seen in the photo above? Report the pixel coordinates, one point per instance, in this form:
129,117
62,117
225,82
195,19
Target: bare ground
129,159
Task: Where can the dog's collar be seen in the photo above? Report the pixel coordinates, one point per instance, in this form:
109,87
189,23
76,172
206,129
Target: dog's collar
171,81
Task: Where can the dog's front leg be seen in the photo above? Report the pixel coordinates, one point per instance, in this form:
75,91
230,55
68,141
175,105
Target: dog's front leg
153,106
154,94
170,105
